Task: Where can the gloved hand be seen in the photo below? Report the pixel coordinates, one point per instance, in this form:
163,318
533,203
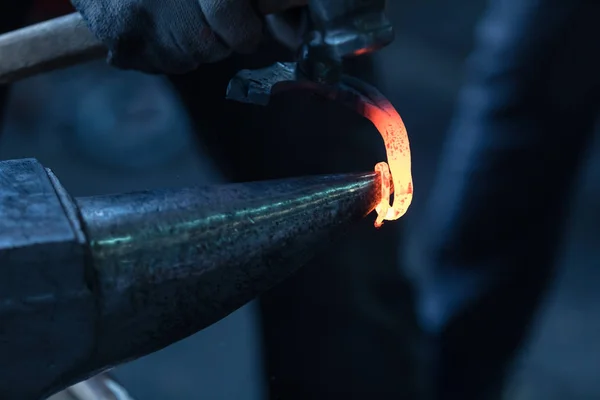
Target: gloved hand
176,36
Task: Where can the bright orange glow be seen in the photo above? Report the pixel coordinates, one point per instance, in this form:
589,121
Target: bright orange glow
389,124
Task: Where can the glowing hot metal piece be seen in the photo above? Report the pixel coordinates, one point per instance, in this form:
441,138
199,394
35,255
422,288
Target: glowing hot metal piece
375,107
389,124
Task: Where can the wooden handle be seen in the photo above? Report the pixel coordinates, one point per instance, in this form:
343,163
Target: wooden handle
43,47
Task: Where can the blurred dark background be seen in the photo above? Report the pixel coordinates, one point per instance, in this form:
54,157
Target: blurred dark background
104,131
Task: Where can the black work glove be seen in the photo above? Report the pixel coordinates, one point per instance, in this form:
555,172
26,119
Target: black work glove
176,36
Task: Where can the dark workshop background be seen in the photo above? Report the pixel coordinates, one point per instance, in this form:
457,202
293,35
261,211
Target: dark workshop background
74,122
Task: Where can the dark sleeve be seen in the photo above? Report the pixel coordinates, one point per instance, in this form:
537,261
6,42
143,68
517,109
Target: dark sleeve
524,118
486,245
